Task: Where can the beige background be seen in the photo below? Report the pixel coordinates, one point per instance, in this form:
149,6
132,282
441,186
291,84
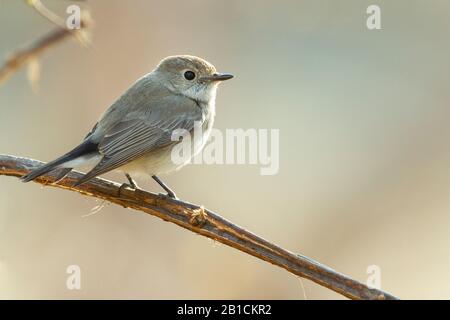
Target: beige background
364,135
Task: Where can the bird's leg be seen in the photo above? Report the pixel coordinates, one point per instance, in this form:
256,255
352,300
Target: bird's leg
131,183
170,193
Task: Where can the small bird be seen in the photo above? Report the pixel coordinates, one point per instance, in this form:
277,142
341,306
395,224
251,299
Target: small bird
134,134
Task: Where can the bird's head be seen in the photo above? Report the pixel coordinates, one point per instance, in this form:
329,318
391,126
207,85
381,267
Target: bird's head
190,76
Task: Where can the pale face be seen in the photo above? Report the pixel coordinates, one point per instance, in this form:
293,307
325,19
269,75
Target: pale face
192,77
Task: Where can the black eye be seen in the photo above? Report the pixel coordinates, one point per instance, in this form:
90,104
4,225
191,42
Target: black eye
189,75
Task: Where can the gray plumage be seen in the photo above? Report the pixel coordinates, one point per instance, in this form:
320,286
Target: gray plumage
134,134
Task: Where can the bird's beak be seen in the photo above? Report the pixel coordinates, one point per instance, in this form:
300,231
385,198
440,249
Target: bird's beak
218,77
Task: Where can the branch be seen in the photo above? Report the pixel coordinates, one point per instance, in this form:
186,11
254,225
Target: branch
29,53
203,222
46,13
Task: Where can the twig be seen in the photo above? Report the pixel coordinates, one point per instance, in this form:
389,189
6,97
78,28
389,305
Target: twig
47,13
203,222
29,53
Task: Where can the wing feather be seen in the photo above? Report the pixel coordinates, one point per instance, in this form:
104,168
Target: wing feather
132,138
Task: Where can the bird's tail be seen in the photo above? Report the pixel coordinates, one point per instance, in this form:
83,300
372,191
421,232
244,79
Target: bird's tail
85,148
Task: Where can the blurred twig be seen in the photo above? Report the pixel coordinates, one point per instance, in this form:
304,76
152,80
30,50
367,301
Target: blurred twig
30,53
46,13
203,222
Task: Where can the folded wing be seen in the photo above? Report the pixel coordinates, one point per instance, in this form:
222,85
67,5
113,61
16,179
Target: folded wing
141,133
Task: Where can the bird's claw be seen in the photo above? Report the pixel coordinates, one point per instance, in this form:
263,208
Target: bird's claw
126,185
170,195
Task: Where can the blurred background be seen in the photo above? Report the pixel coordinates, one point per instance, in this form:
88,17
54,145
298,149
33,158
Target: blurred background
364,123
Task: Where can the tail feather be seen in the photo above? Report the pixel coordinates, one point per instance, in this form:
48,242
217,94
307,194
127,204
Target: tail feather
62,173
84,179
85,148
41,171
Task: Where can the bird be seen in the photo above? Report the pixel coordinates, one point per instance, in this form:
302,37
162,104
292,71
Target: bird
134,134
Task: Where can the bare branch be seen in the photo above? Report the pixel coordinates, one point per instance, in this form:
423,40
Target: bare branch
47,13
29,53
203,222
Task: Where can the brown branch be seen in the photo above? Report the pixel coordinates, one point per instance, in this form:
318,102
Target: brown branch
29,53
203,222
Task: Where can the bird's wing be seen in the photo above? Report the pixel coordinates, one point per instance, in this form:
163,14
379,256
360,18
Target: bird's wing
133,137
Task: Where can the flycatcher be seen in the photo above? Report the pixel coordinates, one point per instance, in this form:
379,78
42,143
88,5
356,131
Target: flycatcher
134,134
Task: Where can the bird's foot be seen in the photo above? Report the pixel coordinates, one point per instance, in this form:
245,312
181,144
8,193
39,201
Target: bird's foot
170,195
126,185
131,184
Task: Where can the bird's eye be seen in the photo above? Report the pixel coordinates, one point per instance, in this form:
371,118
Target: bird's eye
189,75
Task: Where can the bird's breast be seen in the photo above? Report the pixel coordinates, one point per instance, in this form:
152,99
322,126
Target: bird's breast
160,161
